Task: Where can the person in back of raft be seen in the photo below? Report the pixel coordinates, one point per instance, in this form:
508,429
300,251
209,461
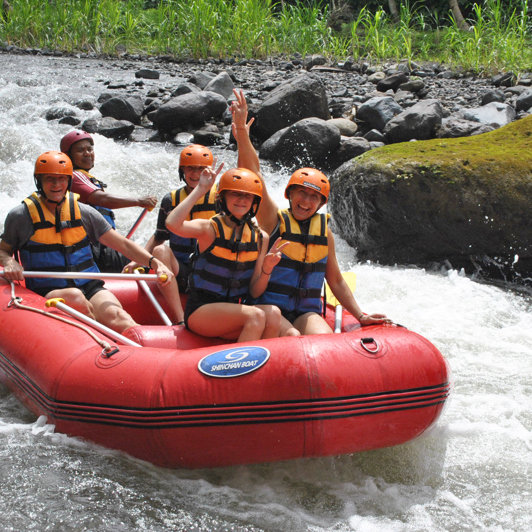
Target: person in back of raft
231,260
52,231
192,161
295,285
79,146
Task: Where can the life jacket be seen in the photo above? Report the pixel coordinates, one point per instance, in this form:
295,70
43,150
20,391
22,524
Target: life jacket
205,208
297,280
108,214
225,268
59,244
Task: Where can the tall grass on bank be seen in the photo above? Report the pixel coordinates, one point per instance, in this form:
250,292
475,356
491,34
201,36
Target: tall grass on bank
499,38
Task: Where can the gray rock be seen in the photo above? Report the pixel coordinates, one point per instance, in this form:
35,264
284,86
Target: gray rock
127,108
349,148
221,84
302,97
308,142
417,123
192,109
347,127
109,127
378,111
491,113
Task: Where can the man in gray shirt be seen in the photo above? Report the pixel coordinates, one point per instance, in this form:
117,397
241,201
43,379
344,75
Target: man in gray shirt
52,231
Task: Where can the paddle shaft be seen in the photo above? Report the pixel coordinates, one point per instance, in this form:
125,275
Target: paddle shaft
89,275
154,302
137,223
93,323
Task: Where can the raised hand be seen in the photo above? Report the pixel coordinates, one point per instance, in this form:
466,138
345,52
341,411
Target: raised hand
272,258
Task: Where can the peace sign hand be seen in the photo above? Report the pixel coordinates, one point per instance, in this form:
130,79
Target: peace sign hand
273,257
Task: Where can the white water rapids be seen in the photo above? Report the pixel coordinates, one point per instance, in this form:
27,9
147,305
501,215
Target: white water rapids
472,472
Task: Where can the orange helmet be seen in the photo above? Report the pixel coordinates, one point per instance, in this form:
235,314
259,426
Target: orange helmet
195,155
241,180
53,162
309,178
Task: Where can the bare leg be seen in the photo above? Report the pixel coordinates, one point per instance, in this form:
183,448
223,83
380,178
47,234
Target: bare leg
312,323
273,321
171,290
287,329
109,312
231,321
74,298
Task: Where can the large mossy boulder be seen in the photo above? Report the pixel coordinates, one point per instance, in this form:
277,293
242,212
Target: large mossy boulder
467,201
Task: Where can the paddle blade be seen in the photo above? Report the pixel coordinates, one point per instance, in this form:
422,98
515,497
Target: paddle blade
351,280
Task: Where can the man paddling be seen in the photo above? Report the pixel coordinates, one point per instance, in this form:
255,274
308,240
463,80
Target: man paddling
52,231
79,146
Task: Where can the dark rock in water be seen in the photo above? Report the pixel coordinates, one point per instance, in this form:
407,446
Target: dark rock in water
109,127
70,120
208,136
302,97
123,108
308,142
349,149
146,73
456,200
59,112
192,109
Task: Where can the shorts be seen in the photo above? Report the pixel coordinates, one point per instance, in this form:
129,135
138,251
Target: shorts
292,316
88,289
182,278
198,299
108,260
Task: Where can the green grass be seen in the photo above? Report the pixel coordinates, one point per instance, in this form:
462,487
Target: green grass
499,38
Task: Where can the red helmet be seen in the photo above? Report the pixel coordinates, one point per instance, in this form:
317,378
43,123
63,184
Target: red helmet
53,162
73,136
196,155
309,178
241,180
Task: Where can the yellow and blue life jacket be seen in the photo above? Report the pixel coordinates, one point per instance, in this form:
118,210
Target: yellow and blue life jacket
108,214
59,244
204,209
296,282
225,268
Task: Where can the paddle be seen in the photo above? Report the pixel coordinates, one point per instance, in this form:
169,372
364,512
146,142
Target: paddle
351,280
137,223
151,297
90,275
60,304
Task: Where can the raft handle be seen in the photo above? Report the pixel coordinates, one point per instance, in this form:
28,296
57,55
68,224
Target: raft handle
364,341
109,352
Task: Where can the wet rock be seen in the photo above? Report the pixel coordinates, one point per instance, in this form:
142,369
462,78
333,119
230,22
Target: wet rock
302,97
109,127
146,73
192,109
308,142
377,112
129,108
417,123
435,200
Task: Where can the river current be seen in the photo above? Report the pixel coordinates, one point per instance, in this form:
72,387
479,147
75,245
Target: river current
471,472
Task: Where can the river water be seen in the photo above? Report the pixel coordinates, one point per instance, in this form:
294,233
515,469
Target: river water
472,472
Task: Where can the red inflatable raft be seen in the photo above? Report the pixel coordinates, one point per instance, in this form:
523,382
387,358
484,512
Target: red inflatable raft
181,400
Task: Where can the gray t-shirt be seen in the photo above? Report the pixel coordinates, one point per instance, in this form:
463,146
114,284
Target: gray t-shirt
18,228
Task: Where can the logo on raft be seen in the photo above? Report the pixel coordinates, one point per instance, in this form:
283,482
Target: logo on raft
234,362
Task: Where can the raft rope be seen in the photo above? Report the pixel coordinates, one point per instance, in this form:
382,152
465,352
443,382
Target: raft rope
16,301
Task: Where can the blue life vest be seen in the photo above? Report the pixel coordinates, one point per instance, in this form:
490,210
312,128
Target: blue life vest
225,268
59,244
204,209
296,282
108,214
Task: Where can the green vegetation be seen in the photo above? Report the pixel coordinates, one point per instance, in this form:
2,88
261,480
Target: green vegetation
498,39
